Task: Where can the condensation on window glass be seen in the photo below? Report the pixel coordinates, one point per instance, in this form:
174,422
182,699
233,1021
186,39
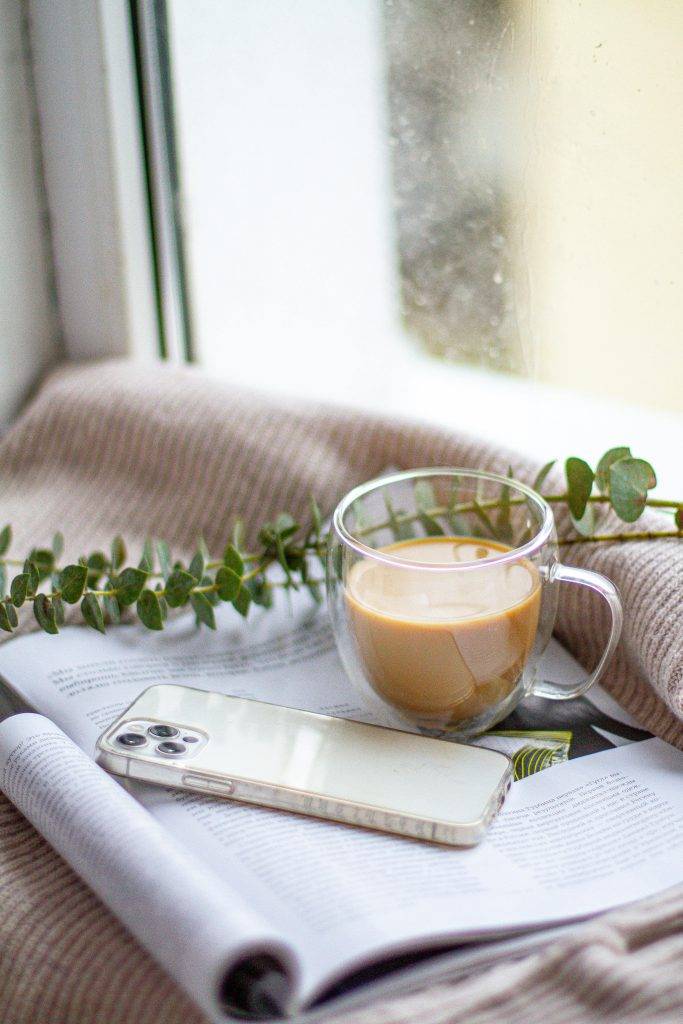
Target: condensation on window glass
451,132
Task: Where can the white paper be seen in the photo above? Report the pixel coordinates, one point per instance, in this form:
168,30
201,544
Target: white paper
566,845
185,916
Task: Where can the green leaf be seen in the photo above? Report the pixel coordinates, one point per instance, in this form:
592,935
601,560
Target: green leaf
679,518
112,607
58,606
149,610
164,555
118,553
129,585
203,548
228,583
542,475
97,564
58,545
211,595
197,566
602,473
242,602
33,576
424,495
92,613
146,562
484,519
400,528
316,517
5,620
630,480
586,524
163,603
44,560
44,613
233,560
178,587
19,589
11,613
5,539
238,534
503,523
259,591
203,610
72,582
3,580
285,526
430,525
579,485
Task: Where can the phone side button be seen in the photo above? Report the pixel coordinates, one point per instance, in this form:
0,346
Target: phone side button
225,787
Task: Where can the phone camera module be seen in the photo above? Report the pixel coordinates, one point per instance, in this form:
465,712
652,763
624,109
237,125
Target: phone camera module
131,739
171,749
165,732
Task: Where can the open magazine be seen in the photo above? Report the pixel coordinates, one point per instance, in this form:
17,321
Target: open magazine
258,910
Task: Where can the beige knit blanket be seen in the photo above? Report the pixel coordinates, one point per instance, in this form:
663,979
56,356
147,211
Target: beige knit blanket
119,448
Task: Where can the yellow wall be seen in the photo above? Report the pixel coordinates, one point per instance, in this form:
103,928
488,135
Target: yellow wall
601,189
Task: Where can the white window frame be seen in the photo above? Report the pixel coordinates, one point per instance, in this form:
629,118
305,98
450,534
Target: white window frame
84,75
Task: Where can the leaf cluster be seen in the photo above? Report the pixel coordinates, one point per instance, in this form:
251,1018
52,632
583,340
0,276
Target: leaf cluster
288,555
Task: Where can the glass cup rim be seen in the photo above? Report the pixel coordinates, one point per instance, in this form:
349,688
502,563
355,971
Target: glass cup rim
513,555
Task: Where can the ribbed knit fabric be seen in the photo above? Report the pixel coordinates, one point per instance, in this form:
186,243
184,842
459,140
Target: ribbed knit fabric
117,448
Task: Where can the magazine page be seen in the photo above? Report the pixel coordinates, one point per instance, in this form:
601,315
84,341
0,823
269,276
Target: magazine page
566,845
171,901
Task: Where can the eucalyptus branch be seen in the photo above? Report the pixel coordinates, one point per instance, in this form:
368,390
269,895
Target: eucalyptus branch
105,587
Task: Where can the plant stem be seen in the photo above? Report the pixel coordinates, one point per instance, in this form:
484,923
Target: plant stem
608,538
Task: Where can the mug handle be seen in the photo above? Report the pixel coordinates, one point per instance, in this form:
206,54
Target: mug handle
601,585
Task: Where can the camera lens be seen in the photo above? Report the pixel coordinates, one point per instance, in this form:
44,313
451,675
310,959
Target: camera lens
163,731
190,739
131,739
170,749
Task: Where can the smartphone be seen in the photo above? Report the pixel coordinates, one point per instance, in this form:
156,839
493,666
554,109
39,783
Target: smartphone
313,764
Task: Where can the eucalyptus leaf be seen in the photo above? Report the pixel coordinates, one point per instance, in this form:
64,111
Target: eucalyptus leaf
3,580
203,609
58,605
259,591
197,565
19,589
233,560
11,613
149,610
580,479
430,525
72,582
112,608
164,556
238,534
630,480
228,583
146,562
423,492
5,621
178,587
5,539
602,473
211,595
58,545
118,553
129,585
92,613
242,602
44,613
542,475
400,529
586,524
679,518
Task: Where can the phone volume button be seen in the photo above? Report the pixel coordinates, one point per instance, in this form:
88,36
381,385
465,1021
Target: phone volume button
222,786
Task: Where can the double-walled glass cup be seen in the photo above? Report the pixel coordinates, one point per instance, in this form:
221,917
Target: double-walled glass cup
443,589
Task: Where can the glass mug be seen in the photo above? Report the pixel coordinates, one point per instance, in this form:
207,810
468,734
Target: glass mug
442,588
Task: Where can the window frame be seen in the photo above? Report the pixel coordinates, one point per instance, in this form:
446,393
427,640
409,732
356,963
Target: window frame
93,155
